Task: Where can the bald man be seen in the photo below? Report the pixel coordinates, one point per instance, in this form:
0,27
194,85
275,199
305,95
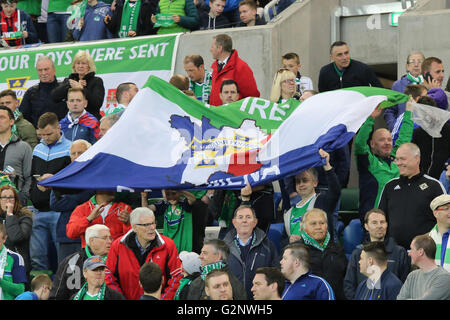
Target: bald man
406,199
375,155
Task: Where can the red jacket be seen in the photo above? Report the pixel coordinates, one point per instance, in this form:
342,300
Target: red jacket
237,70
124,262
77,225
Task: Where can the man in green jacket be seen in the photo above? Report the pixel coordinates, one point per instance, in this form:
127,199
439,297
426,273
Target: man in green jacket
375,156
176,16
22,128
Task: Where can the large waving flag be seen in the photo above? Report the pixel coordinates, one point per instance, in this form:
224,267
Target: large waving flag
166,139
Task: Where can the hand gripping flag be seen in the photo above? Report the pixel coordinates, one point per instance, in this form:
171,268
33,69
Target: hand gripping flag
167,140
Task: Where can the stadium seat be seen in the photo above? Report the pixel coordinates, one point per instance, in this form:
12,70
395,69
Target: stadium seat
352,236
349,205
274,234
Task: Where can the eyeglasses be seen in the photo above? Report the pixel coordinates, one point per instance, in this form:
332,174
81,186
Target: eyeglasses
290,81
442,209
415,61
105,238
7,198
145,225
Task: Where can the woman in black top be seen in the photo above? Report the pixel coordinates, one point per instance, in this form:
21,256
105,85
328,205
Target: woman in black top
83,76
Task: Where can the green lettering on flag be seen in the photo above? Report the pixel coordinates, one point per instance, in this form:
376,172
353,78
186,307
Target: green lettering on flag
116,61
266,114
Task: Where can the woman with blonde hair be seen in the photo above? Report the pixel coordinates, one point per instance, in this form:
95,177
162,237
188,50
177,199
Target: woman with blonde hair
284,86
83,76
18,222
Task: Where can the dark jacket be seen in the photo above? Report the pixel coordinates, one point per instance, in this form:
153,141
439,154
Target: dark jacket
406,203
197,288
184,292
208,23
356,74
387,288
308,287
399,264
37,100
95,92
329,264
19,228
110,294
144,25
258,22
66,203
434,152
26,131
69,276
261,201
262,253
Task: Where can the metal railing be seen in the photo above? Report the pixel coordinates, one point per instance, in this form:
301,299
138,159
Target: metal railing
269,15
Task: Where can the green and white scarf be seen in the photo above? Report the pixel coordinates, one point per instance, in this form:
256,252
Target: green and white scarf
414,80
212,266
313,243
130,16
183,282
3,257
82,292
17,114
202,91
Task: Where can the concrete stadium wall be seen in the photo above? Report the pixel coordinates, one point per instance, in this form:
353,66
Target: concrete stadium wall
296,29
424,31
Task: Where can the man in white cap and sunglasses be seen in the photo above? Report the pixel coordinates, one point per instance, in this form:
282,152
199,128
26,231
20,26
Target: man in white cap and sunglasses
440,232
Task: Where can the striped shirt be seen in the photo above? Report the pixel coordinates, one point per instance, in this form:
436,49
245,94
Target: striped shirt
442,248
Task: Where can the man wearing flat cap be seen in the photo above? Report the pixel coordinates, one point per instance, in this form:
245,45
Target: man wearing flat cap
95,287
440,232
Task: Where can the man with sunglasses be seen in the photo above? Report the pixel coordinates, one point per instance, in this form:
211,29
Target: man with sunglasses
440,232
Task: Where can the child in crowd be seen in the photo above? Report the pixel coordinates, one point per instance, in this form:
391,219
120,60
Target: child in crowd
291,61
16,26
177,216
191,264
248,14
78,123
40,288
211,16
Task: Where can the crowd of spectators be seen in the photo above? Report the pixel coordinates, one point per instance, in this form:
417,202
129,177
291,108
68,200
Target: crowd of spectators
30,22
99,245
